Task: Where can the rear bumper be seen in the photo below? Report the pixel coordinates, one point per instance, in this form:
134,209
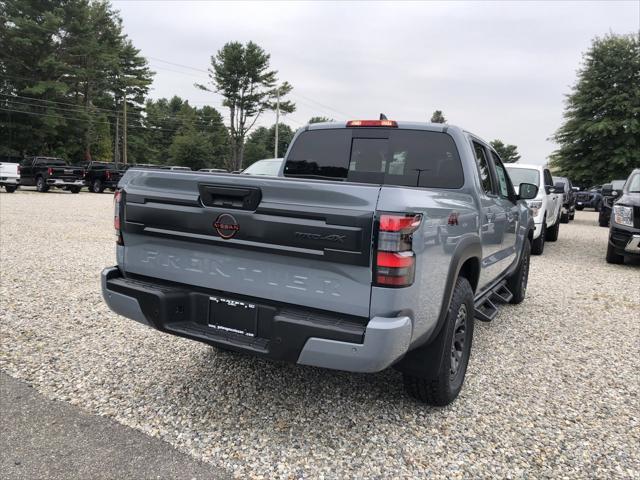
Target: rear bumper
9,181
58,182
625,242
307,337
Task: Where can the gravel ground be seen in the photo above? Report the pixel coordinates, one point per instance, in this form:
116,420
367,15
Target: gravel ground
551,390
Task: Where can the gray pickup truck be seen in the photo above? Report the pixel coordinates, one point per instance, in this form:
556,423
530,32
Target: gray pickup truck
377,245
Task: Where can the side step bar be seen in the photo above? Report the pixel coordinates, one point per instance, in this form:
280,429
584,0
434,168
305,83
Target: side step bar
486,309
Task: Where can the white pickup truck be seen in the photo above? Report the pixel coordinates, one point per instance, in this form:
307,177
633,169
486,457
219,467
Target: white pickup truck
546,206
9,176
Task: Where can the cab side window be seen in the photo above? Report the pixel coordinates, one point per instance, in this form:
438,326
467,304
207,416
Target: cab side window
482,161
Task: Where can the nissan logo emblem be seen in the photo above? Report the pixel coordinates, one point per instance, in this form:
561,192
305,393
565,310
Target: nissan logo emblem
226,225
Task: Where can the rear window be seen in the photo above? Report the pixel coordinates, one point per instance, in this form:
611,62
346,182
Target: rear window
413,158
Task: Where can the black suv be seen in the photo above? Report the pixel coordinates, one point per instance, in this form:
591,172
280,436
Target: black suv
624,233
101,175
589,198
610,192
563,185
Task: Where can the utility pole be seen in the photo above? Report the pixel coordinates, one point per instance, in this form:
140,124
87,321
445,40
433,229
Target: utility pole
275,155
124,131
116,147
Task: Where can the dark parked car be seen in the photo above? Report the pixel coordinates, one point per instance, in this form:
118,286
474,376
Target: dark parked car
101,175
624,233
610,192
590,198
568,212
47,172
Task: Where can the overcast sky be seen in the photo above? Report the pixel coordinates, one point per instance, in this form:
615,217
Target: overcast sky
500,70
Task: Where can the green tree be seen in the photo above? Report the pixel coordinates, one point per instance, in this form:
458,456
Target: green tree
438,117
191,149
261,143
320,120
242,75
507,153
58,62
600,137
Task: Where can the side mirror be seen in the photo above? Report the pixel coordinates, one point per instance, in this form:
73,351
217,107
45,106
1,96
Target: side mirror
607,190
527,191
559,187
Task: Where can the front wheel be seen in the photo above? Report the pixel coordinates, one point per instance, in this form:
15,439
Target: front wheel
41,185
613,257
455,349
74,189
564,218
603,220
10,188
517,283
579,208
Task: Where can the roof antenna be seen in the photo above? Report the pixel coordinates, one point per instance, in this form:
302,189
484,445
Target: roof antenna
383,117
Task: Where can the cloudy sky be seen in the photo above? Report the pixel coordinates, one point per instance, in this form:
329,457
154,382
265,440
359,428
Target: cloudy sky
500,70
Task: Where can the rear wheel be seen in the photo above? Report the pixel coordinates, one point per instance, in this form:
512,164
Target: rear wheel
552,233
537,246
41,185
613,257
97,186
517,283
564,218
10,188
456,336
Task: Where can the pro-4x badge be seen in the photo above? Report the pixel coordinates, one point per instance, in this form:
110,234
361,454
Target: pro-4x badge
226,225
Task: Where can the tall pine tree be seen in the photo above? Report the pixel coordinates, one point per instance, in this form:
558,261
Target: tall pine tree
600,138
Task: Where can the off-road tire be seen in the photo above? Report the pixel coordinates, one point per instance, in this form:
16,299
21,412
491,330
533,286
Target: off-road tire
10,188
602,220
97,186
537,245
517,282
552,233
41,185
613,257
445,385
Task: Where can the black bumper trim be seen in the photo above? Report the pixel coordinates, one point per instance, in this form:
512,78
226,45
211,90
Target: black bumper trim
282,329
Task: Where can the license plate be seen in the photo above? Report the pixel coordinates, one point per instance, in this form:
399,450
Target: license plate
68,171
233,316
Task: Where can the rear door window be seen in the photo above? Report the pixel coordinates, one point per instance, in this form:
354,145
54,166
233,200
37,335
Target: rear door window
413,158
483,167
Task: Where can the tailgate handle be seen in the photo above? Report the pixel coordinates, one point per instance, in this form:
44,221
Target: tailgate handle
223,196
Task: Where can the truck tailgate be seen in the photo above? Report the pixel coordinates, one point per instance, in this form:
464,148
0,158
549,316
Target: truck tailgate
299,242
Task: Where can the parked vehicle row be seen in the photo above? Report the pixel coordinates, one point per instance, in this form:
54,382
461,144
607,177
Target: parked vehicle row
50,172
332,262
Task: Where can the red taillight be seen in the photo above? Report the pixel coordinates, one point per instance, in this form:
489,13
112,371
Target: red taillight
398,223
117,197
18,169
395,259
108,174
49,171
372,123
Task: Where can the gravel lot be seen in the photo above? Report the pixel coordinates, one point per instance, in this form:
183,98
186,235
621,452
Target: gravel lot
551,391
